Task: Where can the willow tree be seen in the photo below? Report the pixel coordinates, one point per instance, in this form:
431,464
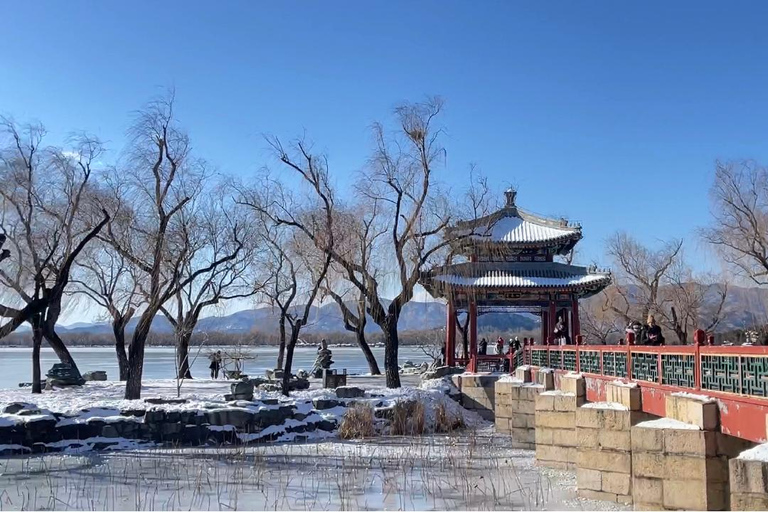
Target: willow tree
48,218
399,190
152,188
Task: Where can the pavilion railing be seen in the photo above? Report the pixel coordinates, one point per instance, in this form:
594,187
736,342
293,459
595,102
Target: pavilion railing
741,370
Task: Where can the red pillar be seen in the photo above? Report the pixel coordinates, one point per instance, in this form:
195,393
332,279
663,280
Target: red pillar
544,324
552,322
450,335
473,336
575,325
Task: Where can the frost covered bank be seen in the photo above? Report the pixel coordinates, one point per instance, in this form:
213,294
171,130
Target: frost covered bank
95,418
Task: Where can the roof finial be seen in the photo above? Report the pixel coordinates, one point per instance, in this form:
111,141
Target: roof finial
511,193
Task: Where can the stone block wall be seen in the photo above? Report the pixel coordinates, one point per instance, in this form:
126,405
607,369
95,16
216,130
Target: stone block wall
478,393
749,480
515,410
604,459
556,442
680,462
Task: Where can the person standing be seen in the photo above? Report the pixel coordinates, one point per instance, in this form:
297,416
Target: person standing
215,365
500,346
482,349
653,332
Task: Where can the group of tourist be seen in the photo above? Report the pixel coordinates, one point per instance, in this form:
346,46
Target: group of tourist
648,334
514,345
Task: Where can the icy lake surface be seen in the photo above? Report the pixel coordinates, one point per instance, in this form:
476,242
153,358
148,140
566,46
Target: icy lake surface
469,471
16,363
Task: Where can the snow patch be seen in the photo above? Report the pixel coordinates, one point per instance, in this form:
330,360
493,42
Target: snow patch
613,406
668,423
623,384
758,453
699,398
14,447
557,392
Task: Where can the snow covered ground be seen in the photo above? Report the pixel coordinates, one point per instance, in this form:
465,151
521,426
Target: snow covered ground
468,471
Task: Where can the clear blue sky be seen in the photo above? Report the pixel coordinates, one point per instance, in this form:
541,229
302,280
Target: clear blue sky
611,113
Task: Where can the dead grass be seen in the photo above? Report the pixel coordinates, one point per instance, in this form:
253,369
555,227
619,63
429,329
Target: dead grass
357,422
444,422
407,419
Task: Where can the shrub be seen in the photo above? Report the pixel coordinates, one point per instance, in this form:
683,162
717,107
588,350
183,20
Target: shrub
357,422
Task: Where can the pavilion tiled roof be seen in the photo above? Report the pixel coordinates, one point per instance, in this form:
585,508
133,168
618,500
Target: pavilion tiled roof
532,275
511,226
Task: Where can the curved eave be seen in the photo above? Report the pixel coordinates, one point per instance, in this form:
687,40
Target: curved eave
563,244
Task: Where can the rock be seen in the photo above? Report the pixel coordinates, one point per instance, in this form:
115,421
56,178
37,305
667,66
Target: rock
6,450
136,413
275,374
269,401
326,425
323,403
441,372
29,412
158,401
63,374
349,392
384,413
298,384
258,381
302,374
15,407
271,387
242,390
154,416
98,375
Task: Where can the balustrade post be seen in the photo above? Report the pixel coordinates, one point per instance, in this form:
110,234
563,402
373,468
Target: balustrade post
630,342
699,338
578,357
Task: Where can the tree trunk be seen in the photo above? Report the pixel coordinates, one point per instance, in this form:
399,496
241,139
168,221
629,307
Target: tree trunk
391,343
373,365
289,359
182,354
281,350
136,355
48,326
118,329
37,341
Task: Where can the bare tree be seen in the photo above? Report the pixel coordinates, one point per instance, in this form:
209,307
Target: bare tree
399,186
110,281
154,186
642,270
48,220
689,302
599,319
218,246
739,228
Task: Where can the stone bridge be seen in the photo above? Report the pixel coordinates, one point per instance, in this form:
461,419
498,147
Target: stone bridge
665,428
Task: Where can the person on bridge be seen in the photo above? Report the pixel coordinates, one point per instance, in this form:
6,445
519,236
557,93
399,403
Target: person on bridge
500,346
482,349
653,332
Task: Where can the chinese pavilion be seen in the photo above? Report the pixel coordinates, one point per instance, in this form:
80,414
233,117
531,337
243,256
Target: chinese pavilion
509,266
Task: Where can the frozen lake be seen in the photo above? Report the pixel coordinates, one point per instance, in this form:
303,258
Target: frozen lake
16,363
467,471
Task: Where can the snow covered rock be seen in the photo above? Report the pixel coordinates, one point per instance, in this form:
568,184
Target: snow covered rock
350,392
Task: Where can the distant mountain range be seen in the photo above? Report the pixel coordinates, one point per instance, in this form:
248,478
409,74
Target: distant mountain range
325,319
744,307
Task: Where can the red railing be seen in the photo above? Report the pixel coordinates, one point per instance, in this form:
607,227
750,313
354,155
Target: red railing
735,375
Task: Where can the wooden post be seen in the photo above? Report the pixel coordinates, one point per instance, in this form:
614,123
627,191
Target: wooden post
552,322
450,335
473,336
575,325
544,324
